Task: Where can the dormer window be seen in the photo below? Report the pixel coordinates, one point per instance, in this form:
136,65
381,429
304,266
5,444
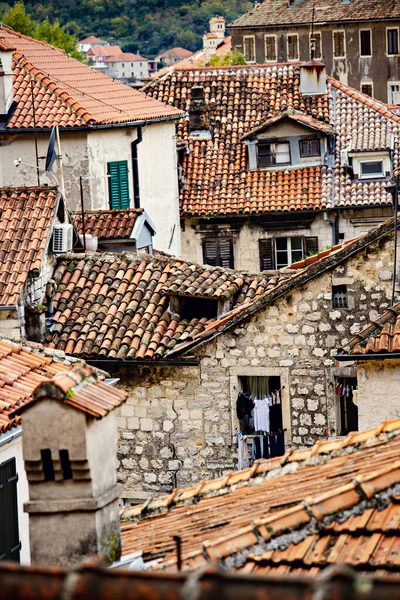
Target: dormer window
371,168
273,153
310,147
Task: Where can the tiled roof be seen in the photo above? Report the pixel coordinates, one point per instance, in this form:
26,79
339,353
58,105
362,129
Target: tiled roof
108,224
81,388
21,370
91,40
380,336
124,56
104,51
293,115
241,99
337,486
94,579
278,12
118,306
26,217
177,52
67,92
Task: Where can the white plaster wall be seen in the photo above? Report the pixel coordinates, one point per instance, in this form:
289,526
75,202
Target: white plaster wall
10,450
128,69
158,178
378,392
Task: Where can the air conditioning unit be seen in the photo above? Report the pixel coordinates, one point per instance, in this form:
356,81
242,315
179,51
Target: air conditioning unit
344,158
63,237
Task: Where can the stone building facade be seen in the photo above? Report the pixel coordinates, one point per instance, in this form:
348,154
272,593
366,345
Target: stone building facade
178,424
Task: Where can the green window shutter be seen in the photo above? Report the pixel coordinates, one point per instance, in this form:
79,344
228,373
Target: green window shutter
118,184
9,535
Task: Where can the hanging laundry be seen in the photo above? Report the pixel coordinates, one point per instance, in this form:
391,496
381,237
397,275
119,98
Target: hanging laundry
261,415
244,405
243,453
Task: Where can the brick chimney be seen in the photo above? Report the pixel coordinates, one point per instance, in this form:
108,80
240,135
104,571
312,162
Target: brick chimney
69,444
199,124
6,76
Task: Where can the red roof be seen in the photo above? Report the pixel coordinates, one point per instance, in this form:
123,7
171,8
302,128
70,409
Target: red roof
104,51
69,93
26,218
92,40
177,52
108,224
124,56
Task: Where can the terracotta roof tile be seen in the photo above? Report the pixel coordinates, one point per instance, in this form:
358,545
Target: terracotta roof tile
275,517
67,92
26,216
243,99
278,12
116,306
108,224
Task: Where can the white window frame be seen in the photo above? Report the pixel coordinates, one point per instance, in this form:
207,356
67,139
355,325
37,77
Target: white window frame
320,43
288,249
296,35
369,176
275,143
248,37
268,60
333,43
390,84
371,83
370,42
398,42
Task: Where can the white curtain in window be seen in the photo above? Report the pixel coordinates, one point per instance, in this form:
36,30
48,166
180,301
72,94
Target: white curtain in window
258,387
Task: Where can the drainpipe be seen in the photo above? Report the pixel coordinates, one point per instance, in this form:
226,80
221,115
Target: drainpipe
334,223
135,166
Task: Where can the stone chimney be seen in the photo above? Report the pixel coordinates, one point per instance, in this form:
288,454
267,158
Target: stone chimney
6,76
199,123
69,444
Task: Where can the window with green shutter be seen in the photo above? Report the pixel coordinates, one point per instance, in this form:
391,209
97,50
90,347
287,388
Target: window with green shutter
118,184
9,534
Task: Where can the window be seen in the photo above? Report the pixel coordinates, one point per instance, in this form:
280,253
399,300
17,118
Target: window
365,42
339,50
367,89
346,392
394,93
310,148
65,464
47,465
10,544
293,47
277,153
218,252
371,168
132,64
118,184
392,41
317,45
282,251
249,48
270,48
194,308
123,64
339,296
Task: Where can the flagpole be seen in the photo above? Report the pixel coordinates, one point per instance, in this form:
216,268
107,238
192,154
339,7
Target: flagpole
60,161
34,131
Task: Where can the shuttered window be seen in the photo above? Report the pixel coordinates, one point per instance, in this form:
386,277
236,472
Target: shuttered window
9,534
249,49
270,48
339,50
317,45
118,184
292,47
218,252
267,258
279,252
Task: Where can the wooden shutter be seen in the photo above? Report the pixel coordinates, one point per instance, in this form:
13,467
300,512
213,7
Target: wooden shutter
118,184
267,258
310,245
218,252
9,534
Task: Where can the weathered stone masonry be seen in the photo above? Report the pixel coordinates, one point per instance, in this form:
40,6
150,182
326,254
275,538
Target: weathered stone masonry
178,424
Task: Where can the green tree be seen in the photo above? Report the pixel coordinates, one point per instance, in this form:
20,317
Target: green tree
17,18
234,57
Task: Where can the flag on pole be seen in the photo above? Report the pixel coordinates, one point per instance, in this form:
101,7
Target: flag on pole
51,151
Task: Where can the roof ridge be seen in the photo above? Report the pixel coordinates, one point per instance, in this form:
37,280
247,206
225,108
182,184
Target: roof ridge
11,31
373,325
321,451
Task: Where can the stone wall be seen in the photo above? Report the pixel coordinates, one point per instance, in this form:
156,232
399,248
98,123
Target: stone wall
247,233
178,424
378,392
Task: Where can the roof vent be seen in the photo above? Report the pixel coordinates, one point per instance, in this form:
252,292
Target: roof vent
63,237
313,79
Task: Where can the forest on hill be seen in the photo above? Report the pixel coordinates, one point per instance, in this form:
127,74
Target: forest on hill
147,27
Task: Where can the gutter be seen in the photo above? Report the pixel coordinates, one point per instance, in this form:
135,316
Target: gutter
363,357
135,165
10,307
123,364
11,435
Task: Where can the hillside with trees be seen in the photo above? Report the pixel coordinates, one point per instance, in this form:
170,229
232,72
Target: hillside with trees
144,26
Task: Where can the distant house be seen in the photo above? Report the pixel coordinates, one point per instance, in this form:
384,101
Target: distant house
172,56
98,55
358,40
129,230
121,143
90,42
127,66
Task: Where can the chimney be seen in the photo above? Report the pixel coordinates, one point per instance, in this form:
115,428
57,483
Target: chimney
199,124
313,79
6,77
69,445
